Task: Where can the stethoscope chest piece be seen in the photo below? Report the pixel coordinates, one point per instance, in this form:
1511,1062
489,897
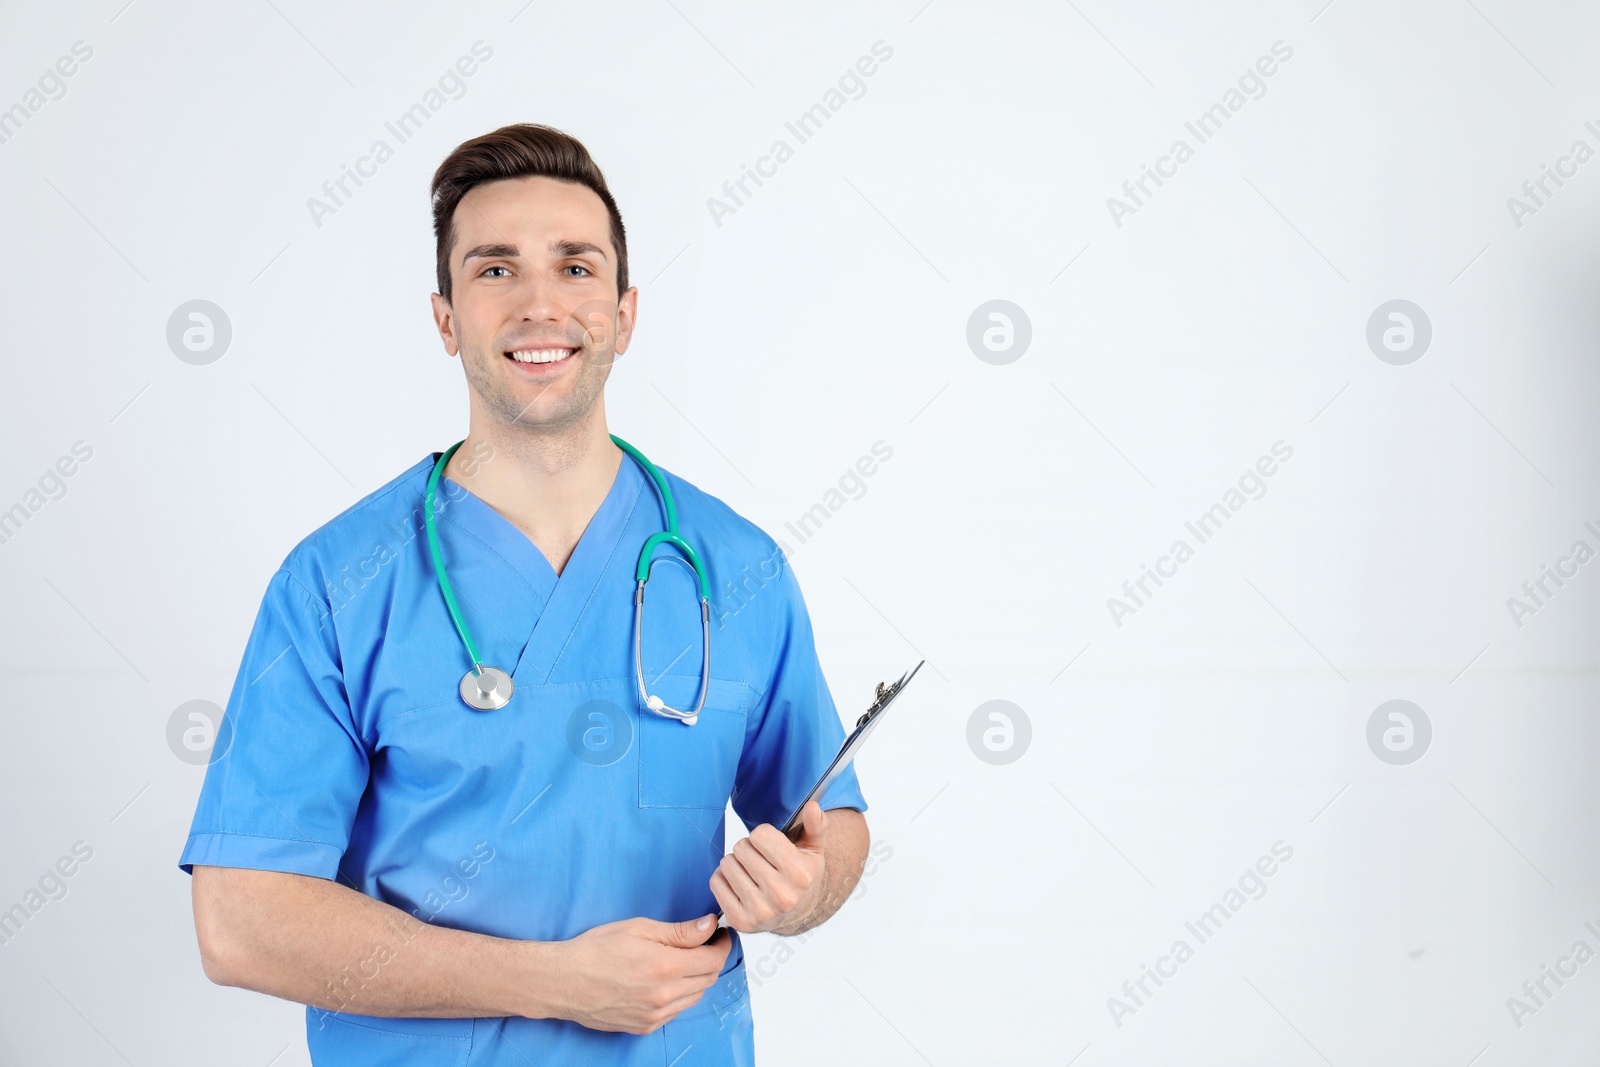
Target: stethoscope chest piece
486,688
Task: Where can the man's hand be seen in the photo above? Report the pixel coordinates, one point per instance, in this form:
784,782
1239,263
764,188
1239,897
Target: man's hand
636,975
771,883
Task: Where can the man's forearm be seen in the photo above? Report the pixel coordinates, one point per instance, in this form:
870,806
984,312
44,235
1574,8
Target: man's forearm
326,945
845,856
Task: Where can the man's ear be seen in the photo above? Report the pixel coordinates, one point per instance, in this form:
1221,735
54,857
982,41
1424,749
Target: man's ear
627,315
444,319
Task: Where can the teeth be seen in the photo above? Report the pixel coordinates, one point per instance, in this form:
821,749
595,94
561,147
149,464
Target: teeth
542,355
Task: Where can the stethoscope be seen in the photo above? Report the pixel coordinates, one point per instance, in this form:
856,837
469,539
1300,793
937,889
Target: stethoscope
486,688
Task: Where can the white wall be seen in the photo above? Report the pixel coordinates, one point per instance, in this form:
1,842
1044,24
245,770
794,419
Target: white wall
1171,347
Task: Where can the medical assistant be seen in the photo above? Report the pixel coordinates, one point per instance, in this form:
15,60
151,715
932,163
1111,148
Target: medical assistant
347,748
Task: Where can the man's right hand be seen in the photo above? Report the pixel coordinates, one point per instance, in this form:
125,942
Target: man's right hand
636,975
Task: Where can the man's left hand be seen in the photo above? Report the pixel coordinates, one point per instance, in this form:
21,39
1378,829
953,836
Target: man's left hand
769,883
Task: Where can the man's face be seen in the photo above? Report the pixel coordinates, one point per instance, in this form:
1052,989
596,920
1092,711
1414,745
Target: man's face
534,276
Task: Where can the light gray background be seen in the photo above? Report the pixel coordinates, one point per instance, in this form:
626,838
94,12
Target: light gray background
829,312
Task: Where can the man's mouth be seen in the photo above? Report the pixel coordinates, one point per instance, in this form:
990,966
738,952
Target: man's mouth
541,356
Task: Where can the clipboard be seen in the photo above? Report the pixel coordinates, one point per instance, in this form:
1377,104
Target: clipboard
882,697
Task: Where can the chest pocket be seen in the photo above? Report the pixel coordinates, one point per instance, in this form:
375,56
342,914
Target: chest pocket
692,766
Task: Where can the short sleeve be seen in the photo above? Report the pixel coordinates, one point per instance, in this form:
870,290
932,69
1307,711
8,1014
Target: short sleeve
289,767
794,731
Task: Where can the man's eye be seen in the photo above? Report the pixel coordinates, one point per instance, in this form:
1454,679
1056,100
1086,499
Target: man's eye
487,269
575,266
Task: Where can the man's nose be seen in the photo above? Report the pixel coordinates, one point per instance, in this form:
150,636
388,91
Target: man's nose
538,300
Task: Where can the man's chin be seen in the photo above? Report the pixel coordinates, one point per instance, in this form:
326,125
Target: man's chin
514,401
542,412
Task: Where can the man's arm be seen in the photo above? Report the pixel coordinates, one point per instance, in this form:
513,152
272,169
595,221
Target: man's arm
769,883
326,945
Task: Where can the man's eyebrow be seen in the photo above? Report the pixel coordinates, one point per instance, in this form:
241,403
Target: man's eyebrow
575,248
557,247
492,252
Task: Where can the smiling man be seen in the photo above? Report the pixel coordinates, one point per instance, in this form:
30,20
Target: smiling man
536,883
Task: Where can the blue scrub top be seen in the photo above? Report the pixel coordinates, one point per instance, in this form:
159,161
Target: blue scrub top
346,751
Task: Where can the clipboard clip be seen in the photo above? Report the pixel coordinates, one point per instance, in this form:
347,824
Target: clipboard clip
886,692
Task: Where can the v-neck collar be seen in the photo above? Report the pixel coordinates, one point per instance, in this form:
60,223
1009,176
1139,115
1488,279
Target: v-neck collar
564,597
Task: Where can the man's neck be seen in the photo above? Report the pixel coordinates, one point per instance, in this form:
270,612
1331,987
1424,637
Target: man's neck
548,484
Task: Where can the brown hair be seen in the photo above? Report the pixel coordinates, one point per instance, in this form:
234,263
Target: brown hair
522,150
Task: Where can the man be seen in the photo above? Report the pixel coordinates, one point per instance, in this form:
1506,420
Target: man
537,883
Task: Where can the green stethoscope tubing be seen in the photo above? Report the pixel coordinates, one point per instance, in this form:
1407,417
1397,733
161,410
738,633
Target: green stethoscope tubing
641,573
437,554
641,576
